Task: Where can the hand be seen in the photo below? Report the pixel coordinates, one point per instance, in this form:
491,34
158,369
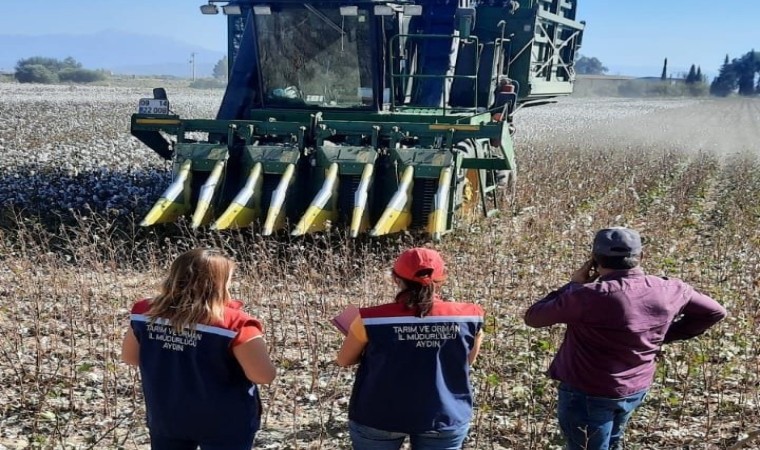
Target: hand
586,274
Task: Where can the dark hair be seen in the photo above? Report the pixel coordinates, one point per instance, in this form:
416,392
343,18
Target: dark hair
417,296
617,262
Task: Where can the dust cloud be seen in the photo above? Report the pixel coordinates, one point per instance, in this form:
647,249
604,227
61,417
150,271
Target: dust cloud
718,126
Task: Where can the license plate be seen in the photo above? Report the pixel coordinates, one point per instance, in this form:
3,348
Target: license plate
153,106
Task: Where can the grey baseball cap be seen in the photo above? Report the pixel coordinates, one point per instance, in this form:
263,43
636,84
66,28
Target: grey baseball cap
617,241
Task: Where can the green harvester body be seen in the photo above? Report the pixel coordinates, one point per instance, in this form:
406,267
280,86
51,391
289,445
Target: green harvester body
374,117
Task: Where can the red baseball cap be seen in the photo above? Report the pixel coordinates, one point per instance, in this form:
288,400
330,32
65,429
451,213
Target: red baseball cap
421,265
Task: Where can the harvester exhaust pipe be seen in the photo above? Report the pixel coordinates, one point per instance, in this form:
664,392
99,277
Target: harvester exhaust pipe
360,217
203,210
320,215
275,219
246,206
174,202
397,216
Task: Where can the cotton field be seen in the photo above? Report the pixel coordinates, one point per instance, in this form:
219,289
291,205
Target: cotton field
73,184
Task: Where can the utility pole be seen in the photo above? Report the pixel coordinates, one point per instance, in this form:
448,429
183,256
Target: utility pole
192,64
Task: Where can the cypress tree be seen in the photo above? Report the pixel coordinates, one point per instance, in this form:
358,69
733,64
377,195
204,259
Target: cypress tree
691,78
746,67
700,77
726,81
664,75
756,56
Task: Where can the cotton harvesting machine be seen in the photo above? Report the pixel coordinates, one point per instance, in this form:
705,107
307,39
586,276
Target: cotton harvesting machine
367,116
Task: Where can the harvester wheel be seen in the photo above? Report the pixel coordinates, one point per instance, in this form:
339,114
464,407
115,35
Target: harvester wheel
509,189
470,207
508,183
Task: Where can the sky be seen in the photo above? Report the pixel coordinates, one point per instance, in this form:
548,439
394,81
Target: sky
631,37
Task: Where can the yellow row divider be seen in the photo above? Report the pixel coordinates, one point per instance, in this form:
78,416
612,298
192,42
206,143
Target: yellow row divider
319,215
437,220
275,215
174,202
246,206
360,219
203,210
397,216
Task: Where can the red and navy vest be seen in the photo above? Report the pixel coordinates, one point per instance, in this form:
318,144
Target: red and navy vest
194,387
414,375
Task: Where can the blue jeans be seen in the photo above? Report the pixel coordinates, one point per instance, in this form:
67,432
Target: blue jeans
594,423
368,438
164,443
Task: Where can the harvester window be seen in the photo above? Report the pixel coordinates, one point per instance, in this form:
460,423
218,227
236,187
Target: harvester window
314,56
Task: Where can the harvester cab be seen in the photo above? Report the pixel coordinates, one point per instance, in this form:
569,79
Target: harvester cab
368,116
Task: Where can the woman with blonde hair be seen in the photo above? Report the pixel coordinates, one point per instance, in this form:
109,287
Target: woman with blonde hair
200,358
414,357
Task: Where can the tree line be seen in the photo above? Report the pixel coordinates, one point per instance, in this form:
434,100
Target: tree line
739,75
38,69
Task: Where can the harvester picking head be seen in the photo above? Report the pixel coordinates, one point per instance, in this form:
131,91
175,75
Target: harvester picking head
370,116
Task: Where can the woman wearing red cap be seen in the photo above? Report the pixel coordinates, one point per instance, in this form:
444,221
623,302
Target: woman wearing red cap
414,357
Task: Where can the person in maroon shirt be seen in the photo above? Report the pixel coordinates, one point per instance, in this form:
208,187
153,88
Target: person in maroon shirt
617,320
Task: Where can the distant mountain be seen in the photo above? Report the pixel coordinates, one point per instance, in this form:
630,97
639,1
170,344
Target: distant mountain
117,51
